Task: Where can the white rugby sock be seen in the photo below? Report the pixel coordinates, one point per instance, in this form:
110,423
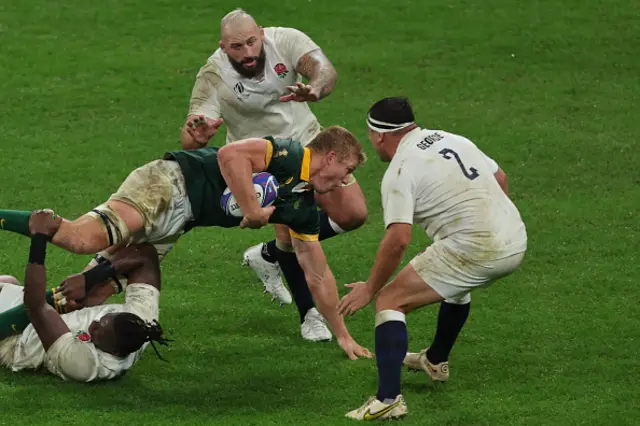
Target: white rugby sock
336,228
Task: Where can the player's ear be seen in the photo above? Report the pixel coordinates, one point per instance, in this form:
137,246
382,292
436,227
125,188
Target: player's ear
261,33
331,157
221,44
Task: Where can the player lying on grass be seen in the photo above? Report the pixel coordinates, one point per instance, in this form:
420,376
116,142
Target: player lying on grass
161,200
457,195
94,343
253,83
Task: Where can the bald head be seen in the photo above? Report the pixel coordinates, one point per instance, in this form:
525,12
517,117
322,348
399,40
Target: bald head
241,40
237,21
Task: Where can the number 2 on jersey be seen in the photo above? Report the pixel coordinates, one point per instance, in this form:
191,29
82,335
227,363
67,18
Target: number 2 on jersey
470,174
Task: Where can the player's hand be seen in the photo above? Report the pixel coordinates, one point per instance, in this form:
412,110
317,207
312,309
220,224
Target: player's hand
62,303
202,129
353,349
301,93
359,297
73,288
258,219
44,222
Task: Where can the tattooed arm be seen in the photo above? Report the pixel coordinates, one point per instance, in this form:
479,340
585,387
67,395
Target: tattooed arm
317,68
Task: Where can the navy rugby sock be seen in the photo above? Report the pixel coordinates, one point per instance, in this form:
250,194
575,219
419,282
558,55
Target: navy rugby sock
451,319
391,347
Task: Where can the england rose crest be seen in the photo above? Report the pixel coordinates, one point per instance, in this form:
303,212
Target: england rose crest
84,337
281,70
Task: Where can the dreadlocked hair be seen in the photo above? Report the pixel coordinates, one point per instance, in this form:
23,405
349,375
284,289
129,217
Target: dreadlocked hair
132,332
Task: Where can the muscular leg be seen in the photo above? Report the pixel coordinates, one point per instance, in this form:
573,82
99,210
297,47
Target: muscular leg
89,233
313,327
345,207
404,294
92,233
293,272
451,318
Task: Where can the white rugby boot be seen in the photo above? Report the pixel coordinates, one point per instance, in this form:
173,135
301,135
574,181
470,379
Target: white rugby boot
418,361
269,273
314,327
373,409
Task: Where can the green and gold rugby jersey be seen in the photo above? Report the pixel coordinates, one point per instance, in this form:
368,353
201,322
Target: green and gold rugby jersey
285,159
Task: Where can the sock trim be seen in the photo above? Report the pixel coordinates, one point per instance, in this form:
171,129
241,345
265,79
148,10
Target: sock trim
284,247
336,228
389,315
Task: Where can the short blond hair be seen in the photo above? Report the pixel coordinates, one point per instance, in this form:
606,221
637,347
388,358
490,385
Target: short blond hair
341,141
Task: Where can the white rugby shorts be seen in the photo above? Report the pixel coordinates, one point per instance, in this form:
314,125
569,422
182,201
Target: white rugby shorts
453,274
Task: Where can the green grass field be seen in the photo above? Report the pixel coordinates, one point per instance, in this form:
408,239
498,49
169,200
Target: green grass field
89,91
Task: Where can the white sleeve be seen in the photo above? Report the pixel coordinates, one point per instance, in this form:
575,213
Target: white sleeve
492,164
398,196
204,95
143,300
72,359
294,43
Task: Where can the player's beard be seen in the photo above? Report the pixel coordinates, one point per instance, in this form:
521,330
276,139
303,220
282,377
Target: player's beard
253,72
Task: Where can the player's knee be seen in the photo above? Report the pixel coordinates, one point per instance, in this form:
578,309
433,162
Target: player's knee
352,217
283,238
387,300
9,279
115,228
93,232
358,217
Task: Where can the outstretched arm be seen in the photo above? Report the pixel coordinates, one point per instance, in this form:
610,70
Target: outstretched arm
390,254
322,76
204,117
45,320
319,70
322,285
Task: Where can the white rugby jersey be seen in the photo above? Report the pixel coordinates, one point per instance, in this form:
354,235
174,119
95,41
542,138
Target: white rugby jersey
73,356
446,185
251,107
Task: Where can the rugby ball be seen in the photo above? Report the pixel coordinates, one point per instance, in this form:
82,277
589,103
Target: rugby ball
266,186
